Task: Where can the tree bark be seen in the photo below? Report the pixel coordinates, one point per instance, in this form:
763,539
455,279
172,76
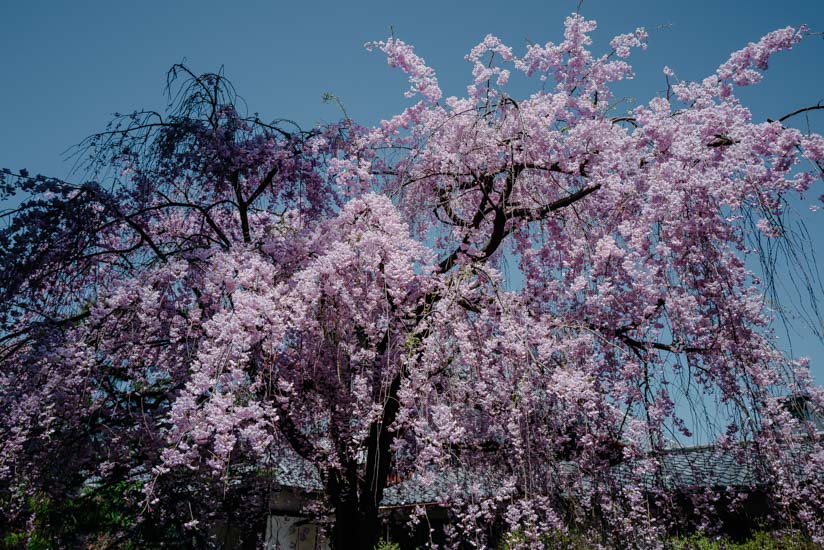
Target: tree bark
356,527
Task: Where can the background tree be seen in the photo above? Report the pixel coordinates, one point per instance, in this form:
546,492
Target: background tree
233,291
89,373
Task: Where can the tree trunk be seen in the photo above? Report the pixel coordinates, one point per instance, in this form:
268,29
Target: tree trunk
358,529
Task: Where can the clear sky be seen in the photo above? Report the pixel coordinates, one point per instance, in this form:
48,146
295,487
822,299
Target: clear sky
67,66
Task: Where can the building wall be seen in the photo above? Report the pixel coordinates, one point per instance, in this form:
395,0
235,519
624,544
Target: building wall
293,533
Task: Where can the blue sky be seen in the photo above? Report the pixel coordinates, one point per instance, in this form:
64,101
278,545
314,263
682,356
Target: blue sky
67,66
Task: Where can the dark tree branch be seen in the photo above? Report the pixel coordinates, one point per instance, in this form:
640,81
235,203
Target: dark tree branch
675,348
534,214
242,206
815,107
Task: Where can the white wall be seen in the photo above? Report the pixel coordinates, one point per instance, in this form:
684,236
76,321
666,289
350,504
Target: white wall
293,533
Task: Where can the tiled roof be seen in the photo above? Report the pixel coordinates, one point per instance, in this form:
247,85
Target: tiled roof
439,489
293,471
415,491
691,467
684,468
